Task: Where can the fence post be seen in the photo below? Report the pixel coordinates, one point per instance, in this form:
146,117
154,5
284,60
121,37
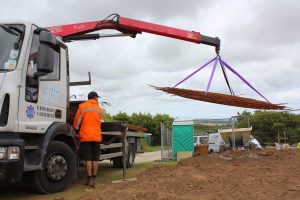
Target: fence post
124,146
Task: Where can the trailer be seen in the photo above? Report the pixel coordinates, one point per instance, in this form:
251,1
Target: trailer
113,143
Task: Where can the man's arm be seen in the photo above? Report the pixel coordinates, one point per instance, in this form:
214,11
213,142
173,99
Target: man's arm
78,119
101,113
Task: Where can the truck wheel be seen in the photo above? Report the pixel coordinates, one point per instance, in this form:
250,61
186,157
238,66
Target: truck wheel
59,169
130,157
118,161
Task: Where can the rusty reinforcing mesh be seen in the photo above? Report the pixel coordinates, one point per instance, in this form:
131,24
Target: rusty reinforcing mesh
223,99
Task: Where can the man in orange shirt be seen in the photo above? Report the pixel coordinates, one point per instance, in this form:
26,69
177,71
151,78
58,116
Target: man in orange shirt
88,122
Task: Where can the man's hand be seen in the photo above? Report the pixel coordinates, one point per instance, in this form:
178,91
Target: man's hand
77,134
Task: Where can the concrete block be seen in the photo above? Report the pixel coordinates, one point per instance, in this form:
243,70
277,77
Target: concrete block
184,154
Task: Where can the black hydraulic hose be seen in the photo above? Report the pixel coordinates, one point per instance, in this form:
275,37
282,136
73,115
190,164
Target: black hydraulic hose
226,79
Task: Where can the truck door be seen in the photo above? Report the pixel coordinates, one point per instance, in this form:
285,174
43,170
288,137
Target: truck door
43,99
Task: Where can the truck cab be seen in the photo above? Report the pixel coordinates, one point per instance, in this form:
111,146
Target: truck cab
33,77
33,101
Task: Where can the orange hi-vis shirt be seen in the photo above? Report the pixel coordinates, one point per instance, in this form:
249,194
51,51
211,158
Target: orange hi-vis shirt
88,121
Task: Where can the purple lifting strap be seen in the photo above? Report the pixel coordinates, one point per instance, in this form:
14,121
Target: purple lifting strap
212,74
216,59
244,80
189,76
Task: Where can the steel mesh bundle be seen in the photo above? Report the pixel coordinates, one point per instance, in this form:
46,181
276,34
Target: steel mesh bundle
223,99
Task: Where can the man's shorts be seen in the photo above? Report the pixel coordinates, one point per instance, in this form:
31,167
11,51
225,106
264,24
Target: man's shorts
89,151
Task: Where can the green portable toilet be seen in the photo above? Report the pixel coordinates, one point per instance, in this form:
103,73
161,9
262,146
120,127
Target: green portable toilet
183,137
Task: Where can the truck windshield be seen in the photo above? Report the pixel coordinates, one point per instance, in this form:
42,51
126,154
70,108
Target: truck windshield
11,37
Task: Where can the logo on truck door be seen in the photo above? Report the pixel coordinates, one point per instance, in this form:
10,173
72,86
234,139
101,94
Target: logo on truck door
30,112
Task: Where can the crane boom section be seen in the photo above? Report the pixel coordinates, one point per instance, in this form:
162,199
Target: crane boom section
132,27
157,29
81,28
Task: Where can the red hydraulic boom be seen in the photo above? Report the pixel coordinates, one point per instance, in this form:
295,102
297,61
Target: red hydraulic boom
128,27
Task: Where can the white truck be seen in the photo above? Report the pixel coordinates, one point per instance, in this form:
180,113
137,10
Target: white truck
36,135
215,143
233,138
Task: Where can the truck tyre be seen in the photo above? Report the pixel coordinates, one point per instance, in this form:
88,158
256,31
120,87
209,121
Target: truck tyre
130,156
222,148
118,161
59,169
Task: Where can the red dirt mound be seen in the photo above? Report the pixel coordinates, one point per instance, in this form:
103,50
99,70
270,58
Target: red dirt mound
252,175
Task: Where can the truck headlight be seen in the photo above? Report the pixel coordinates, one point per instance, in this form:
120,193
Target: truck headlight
3,152
13,153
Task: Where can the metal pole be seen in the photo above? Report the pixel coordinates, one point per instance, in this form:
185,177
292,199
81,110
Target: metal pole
248,122
231,118
233,132
168,143
161,140
124,152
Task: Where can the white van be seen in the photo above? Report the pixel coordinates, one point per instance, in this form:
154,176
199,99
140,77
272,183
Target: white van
199,140
215,143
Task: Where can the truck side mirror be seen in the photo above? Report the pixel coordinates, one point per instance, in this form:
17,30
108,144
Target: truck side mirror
45,57
48,38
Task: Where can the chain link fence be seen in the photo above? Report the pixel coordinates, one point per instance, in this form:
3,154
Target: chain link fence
166,141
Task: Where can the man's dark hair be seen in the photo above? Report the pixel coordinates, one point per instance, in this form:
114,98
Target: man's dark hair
92,95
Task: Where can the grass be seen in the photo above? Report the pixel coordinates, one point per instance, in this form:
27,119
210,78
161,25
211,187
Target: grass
106,175
148,148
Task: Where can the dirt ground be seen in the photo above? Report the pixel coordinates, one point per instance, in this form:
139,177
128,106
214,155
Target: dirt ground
249,175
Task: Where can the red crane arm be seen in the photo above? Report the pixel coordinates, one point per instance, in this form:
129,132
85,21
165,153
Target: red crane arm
129,26
157,29
81,28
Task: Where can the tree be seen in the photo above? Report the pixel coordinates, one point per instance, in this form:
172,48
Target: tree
122,117
107,117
